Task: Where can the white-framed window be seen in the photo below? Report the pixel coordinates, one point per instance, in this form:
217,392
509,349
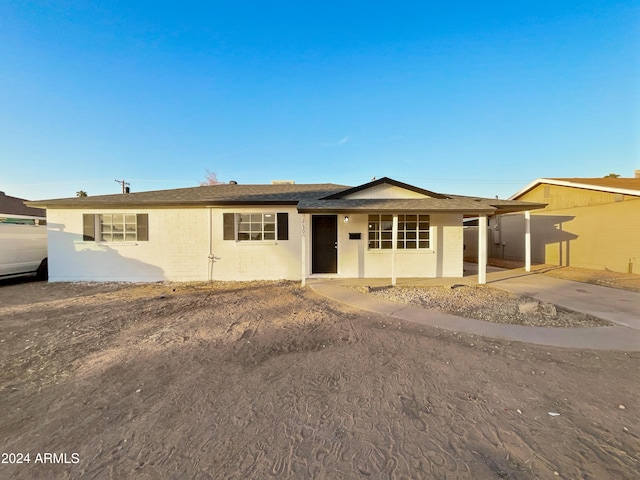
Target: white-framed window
256,227
413,232
115,227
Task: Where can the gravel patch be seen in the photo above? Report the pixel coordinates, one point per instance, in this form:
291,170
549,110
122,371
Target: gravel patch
487,303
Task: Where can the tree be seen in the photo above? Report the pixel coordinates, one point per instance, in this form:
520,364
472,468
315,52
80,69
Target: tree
612,175
81,193
210,178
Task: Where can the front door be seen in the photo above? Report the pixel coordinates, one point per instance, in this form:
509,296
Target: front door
324,244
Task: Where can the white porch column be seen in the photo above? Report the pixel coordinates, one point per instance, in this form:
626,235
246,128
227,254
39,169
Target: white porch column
303,242
394,248
482,249
527,241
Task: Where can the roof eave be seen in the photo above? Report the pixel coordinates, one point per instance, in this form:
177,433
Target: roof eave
564,183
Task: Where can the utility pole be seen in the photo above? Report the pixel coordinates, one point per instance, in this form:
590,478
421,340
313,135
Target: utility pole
125,186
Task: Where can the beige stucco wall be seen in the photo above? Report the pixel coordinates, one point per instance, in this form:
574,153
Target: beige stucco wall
579,228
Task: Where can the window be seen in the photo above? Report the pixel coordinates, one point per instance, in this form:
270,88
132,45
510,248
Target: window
116,227
413,232
380,227
256,227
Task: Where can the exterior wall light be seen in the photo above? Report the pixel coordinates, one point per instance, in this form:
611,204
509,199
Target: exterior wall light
346,219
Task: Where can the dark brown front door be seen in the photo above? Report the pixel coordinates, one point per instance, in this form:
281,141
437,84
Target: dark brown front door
324,244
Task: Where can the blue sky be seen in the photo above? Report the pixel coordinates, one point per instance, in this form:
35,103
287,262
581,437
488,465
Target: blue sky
475,98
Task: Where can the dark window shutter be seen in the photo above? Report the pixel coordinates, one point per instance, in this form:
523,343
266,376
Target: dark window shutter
228,220
142,220
88,227
283,226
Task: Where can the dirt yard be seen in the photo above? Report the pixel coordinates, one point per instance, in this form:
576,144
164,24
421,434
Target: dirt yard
268,380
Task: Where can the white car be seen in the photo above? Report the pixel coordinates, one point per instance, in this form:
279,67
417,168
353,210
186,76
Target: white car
23,246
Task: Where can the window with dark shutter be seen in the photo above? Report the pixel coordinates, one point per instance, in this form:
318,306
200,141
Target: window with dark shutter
283,226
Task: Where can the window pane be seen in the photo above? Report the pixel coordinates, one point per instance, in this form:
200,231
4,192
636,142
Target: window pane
373,244
423,218
424,235
244,227
270,235
105,218
411,235
400,245
256,236
118,237
423,244
424,225
130,228
412,226
386,218
401,235
118,218
130,237
129,218
386,226
269,227
401,225
411,244
243,236
411,218
106,228
256,218
118,227
106,237
386,235
386,245
244,217
373,235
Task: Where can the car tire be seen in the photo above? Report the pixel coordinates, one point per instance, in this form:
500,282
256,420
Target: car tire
43,270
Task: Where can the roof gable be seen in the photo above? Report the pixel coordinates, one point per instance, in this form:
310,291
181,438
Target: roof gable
384,188
627,186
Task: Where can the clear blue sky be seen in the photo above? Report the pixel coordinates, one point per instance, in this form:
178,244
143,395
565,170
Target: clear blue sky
475,98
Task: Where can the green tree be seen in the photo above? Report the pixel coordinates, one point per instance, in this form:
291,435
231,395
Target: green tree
81,193
612,175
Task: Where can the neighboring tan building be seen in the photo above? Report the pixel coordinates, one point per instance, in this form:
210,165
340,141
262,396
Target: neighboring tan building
588,222
384,228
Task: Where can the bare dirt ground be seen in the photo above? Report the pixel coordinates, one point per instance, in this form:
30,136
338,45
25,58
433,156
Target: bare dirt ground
269,380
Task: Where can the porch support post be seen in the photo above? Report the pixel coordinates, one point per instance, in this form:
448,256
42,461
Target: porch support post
303,260
527,241
394,248
482,249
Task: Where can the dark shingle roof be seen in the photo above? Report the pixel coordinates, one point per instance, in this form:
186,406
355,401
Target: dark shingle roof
310,198
223,194
15,206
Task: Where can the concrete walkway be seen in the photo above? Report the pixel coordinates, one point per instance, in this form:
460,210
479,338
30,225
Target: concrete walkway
618,306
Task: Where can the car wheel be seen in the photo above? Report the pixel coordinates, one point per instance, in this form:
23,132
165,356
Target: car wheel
43,270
